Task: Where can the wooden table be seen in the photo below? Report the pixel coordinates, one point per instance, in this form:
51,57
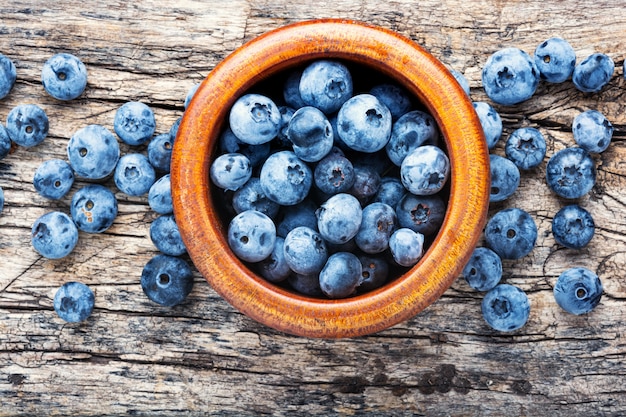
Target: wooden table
204,357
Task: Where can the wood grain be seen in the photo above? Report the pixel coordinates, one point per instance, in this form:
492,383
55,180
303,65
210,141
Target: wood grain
204,357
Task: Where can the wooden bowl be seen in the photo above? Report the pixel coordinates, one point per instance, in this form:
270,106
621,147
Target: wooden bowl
204,233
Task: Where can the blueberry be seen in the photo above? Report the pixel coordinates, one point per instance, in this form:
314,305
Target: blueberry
396,98
506,308
306,284
490,121
167,280
251,235
301,214
1,199
366,183
526,147
375,271
483,271
286,113
160,195
190,93
229,143
134,123
275,268
27,125
254,119
390,191
339,218
73,302
578,291
54,235
325,84
406,246
592,131
460,78
593,73
230,171
511,233
425,170
510,76
160,152
5,142
134,175
341,275
310,133
53,179
505,178
8,75
305,251
252,197
555,59
93,208
378,222
573,227
285,178
166,237
93,152
413,129
334,174
64,76
571,173
423,214
364,123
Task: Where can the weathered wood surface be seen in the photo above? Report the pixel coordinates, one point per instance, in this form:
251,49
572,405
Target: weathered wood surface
204,357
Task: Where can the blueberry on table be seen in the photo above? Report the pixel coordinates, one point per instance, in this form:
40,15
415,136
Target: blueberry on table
593,73
134,123
5,142
555,59
54,235
364,123
483,271
413,129
506,308
27,125
490,121
421,213
406,246
73,302
53,179
252,197
425,170
275,268
160,152
325,84
305,250
64,76
166,237
526,147
134,175
160,195
230,171
254,119
571,173
511,233
310,134
251,236
334,174
167,280
505,178
378,222
573,227
578,291
285,178
592,131
339,218
8,75
93,152
93,208
396,98
510,76
341,275
374,272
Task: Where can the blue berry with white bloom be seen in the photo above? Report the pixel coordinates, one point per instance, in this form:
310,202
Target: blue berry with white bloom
305,251
366,183
275,268
254,119
251,235
8,75
490,121
555,59
291,90
592,131
571,173
411,130
593,73
396,98
425,170
229,143
573,227
526,147
506,308
93,152
64,76
390,191
341,275
325,84
53,179
54,235
134,175
364,123
252,197
167,280
483,271
510,76
160,195
160,152
5,142
93,208
511,233
230,171
310,134
27,125
578,291
406,246
505,178
285,178
378,222
339,218
134,123
334,174
165,235
421,213
74,302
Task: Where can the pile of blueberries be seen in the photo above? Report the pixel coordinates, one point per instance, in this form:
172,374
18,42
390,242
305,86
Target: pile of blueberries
94,156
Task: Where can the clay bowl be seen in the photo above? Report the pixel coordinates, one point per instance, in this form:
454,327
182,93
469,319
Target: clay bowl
196,209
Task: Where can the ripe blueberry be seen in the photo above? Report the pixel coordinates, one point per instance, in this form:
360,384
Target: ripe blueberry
64,76
555,59
592,131
505,178
134,123
506,308
578,291
8,75
425,170
251,235
483,271
27,125
341,275
93,208
54,235
571,173
165,235
573,227
73,302
364,123
510,76
167,280
134,175
93,152
526,147
325,84
254,119
593,73
53,179
511,233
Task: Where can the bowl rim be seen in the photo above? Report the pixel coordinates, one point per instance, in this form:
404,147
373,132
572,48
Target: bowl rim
414,68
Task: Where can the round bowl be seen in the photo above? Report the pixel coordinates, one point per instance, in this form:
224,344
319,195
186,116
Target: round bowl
204,233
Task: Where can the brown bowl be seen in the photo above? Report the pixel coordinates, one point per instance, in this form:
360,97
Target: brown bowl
203,231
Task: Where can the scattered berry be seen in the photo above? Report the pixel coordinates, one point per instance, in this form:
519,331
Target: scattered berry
592,74
592,131
483,271
573,227
134,123
505,178
506,308
134,175
555,59
53,179
578,291
460,78
5,142
571,173
27,125
526,147
490,121
160,195
190,93
511,233
54,235
165,235
160,152
93,208
93,152
167,280
510,76
74,302
8,75
64,76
